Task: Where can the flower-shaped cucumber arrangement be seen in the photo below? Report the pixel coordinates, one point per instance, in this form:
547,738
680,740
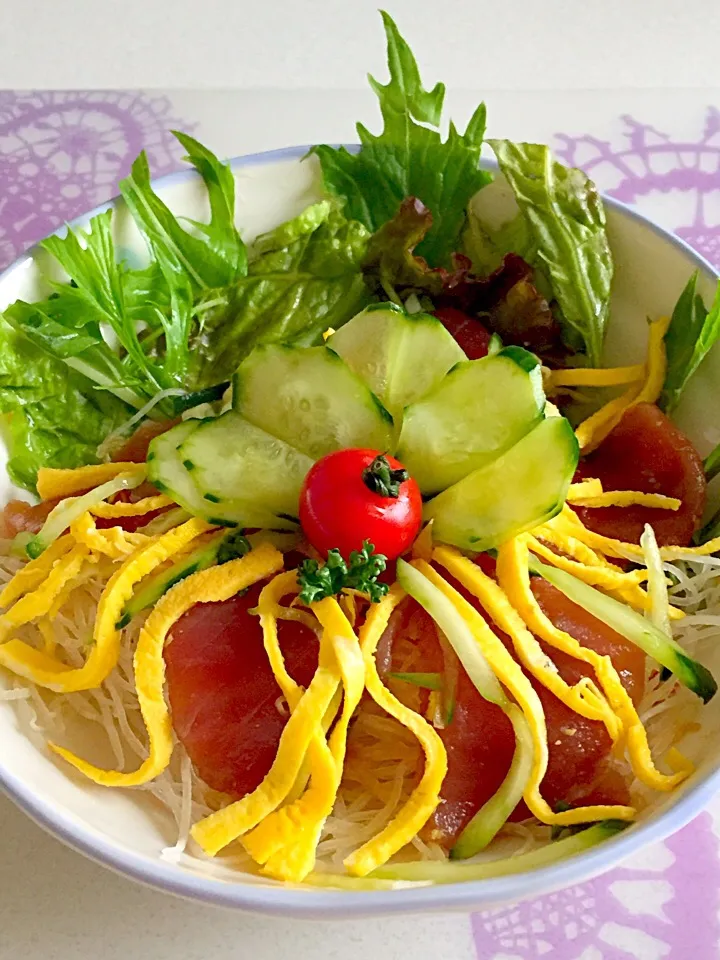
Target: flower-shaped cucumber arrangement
474,434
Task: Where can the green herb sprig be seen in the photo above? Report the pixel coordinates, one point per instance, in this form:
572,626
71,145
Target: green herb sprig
328,579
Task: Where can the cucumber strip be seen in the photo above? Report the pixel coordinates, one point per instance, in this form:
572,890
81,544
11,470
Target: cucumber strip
524,487
68,510
200,559
311,399
230,458
169,473
498,808
428,681
400,356
148,596
207,395
478,411
634,627
482,828
438,871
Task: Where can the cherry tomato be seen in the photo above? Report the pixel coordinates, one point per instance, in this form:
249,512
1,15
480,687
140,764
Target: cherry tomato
340,508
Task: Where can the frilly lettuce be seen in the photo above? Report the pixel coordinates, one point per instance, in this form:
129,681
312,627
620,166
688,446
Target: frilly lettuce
409,158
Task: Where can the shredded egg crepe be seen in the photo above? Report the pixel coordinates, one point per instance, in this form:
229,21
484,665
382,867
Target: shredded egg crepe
360,764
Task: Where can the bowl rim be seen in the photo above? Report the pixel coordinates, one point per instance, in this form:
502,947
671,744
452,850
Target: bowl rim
321,903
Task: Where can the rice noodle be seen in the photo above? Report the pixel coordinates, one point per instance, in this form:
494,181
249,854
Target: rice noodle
383,758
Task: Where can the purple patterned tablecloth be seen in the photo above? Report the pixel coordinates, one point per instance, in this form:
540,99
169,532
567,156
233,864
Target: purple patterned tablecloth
63,153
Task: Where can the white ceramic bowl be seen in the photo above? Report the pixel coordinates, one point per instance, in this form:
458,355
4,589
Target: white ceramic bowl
122,830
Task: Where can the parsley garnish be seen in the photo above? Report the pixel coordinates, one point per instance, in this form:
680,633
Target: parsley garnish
335,575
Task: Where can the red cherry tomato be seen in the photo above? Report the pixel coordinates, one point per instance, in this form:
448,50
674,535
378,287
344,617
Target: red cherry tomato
338,509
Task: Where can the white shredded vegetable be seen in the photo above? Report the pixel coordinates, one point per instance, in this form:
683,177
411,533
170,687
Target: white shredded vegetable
383,758
109,444
659,612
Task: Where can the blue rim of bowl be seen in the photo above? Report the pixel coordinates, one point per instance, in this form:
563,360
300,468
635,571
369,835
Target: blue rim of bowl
322,903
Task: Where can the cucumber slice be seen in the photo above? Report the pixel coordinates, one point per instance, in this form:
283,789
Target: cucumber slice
400,356
232,459
170,474
165,467
481,408
308,397
524,487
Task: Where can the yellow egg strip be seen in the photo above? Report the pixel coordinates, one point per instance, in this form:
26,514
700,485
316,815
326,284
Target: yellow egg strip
34,572
86,572
39,602
624,586
45,671
596,576
111,510
222,827
583,698
569,522
627,498
515,579
511,675
48,634
584,488
55,484
114,542
594,377
287,839
425,797
593,431
574,548
206,586
270,611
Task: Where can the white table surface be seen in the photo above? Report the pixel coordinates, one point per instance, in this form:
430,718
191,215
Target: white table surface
54,905
330,44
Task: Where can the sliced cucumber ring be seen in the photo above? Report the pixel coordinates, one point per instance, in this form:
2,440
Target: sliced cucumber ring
400,356
524,487
168,471
478,411
311,399
231,459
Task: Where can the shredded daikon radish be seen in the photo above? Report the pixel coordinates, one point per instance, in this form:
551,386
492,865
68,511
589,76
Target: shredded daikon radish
659,611
105,450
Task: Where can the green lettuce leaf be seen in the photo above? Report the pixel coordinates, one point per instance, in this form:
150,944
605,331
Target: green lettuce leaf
566,221
54,417
303,277
409,157
692,333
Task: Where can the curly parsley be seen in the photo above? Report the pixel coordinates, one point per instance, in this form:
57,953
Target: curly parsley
360,572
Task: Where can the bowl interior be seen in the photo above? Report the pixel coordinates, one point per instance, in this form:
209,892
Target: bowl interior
126,829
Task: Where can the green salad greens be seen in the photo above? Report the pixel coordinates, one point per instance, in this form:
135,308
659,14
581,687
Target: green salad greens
115,343
409,158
